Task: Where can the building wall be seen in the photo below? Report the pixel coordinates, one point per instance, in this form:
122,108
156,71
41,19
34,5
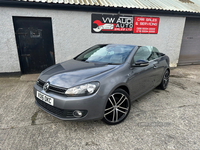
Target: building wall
72,34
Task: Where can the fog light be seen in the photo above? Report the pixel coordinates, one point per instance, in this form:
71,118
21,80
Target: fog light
77,113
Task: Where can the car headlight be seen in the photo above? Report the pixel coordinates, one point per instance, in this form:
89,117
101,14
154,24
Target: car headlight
83,90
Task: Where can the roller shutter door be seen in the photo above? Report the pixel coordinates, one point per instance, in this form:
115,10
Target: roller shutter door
190,48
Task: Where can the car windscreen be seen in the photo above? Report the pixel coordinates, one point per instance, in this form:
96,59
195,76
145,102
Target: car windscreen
110,54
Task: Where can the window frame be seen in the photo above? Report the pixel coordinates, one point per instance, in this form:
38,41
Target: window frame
159,56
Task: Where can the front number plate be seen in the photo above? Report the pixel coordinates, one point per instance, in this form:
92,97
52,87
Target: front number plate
45,98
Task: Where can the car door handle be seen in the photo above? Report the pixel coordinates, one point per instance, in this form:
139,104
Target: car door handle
154,66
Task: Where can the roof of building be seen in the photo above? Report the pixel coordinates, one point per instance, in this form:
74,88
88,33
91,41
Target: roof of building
192,6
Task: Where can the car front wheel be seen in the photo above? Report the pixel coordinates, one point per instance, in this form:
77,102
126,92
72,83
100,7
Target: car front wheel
117,107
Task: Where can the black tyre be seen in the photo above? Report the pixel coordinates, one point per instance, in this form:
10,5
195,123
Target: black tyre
165,80
117,107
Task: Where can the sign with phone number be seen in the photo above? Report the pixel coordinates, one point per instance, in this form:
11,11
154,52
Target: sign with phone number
148,25
103,23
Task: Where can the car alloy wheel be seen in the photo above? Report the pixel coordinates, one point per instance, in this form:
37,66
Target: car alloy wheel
165,80
117,107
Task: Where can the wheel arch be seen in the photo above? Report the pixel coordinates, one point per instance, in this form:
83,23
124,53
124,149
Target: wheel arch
122,86
168,70
125,88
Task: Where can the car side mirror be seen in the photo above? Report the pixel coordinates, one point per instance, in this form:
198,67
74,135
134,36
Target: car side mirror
140,63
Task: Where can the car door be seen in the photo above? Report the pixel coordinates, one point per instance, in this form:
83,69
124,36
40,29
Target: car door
141,79
158,65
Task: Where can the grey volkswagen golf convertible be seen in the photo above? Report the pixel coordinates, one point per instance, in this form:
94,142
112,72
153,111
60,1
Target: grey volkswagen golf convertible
101,82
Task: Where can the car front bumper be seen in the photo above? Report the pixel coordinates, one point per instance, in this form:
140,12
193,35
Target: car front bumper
92,106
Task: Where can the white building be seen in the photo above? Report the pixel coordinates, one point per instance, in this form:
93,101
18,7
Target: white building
38,33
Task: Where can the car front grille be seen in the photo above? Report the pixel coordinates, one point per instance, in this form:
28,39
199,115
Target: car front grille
40,83
56,111
52,87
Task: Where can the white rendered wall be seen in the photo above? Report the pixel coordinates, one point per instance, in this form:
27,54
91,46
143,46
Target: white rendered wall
72,34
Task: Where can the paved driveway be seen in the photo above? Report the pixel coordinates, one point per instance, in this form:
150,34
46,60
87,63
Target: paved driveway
167,119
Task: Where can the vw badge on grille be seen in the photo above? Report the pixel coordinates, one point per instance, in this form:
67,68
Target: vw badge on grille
46,87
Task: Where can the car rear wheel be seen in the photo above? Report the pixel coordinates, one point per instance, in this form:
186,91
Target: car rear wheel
117,107
165,80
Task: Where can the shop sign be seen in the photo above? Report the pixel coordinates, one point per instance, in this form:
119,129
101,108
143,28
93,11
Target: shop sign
102,23
148,25
111,23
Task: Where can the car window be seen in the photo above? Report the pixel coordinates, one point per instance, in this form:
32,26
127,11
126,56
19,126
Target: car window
155,50
154,53
89,54
142,53
147,53
112,54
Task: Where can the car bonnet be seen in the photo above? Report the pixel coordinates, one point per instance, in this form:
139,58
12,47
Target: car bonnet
72,73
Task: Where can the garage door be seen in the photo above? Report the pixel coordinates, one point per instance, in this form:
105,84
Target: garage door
190,48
